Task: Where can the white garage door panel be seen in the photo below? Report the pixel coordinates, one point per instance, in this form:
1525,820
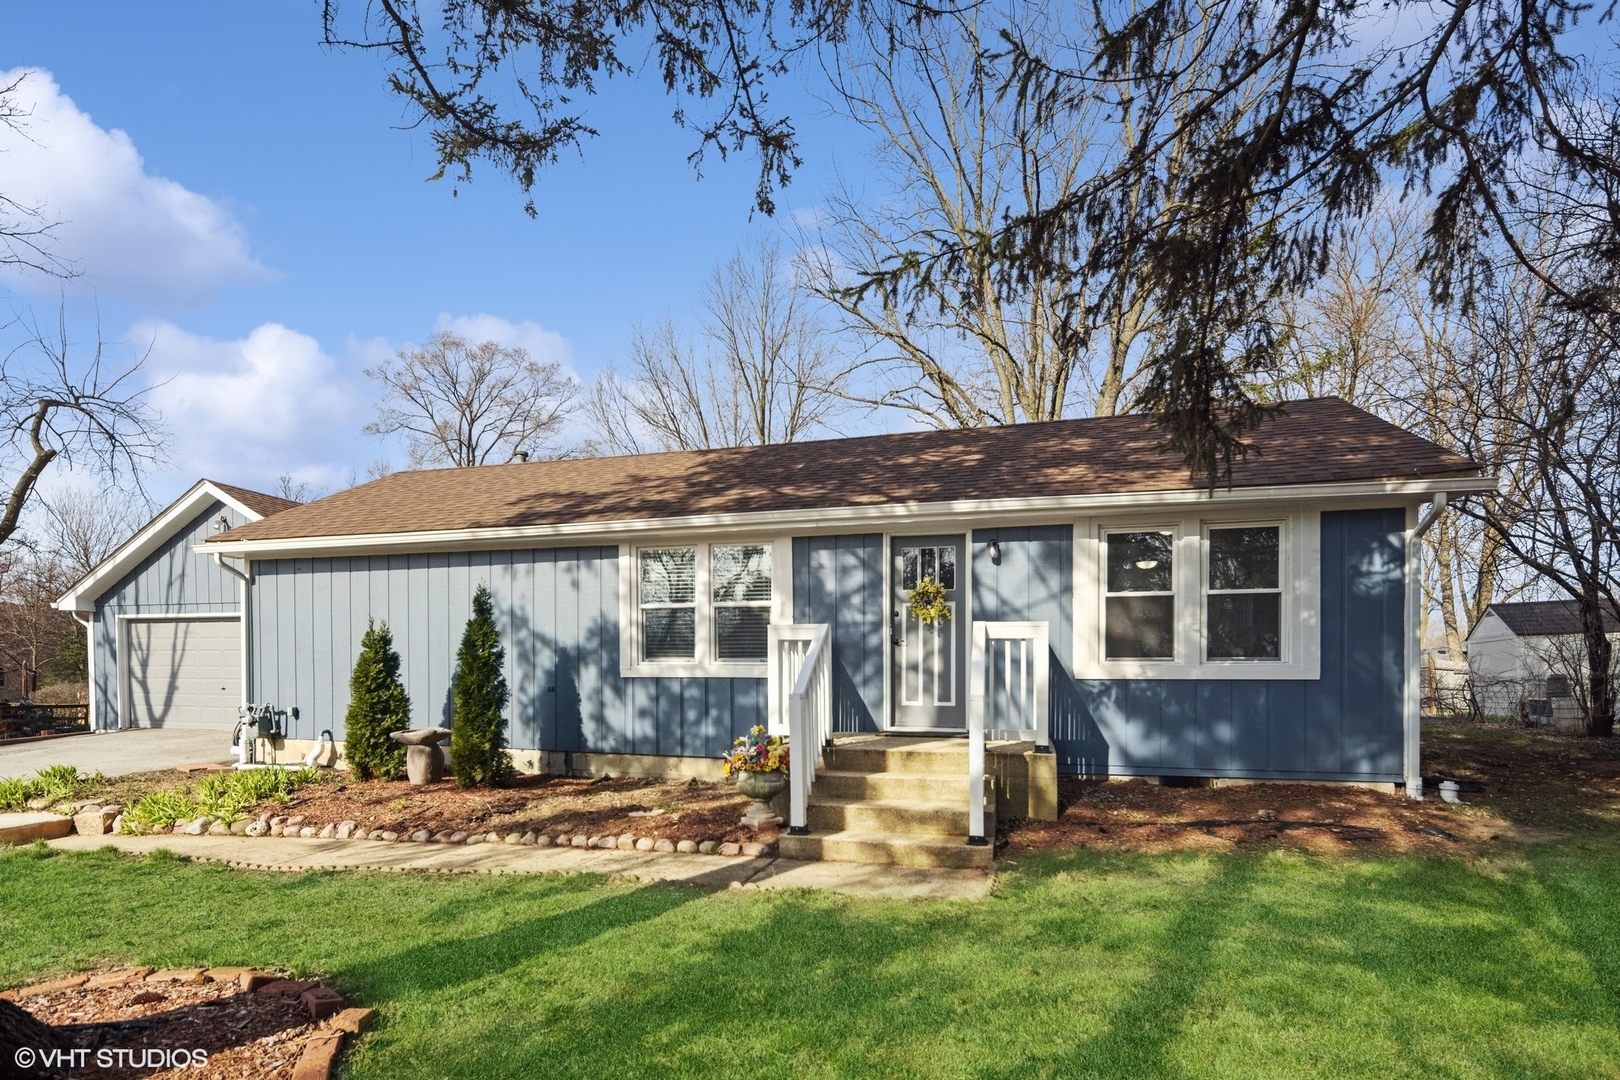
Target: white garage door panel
185,673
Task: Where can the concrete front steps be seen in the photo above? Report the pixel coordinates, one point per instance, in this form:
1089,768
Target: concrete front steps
895,800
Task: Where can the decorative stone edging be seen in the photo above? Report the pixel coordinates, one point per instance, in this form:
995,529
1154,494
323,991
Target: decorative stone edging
321,1046
297,826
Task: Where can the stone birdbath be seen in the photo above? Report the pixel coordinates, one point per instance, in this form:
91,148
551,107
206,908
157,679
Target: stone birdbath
424,757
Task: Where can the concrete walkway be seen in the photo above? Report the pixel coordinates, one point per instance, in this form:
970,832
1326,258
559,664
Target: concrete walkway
118,753
711,871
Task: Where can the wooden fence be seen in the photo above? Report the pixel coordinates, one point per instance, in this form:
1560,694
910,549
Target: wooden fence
19,721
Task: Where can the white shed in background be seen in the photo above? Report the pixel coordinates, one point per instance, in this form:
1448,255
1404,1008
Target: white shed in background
1525,658
165,622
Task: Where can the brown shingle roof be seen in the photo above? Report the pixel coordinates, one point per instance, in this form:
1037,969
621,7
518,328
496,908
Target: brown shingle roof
257,501
1323,440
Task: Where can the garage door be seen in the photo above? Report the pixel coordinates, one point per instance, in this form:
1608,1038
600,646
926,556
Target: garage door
185,673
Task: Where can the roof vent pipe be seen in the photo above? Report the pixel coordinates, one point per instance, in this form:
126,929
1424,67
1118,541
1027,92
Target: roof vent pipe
520,456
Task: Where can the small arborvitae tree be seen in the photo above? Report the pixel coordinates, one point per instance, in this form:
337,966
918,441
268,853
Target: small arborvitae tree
378,705
479,696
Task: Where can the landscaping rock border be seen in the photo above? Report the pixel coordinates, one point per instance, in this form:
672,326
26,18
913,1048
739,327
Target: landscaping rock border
297,826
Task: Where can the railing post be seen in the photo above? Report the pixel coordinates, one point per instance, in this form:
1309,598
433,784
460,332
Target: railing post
975,712
1043,670
799,751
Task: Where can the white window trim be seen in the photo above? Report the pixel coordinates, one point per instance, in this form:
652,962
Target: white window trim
631,666
1300,574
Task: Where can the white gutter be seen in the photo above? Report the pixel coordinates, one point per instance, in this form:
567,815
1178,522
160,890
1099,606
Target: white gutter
88,622
245,578
872,518
1412,704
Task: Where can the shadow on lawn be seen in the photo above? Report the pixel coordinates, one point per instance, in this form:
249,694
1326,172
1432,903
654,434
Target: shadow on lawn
1138,1031
439,965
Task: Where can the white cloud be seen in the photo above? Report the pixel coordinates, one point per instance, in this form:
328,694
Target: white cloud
546,346
249,410
125,230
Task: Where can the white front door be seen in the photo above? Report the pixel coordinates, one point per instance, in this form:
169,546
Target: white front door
930,661
183,673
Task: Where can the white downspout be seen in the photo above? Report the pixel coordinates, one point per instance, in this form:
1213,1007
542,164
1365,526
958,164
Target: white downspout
1413,703
246,580
89,625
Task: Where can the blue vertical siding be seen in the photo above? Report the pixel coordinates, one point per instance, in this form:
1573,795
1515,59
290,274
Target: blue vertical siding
1345,725
558,611
173,580
838,580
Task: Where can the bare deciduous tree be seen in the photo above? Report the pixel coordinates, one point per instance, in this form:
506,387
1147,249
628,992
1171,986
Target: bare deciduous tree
25,232
83,526
761,373
54,409
298,491
1546,382
463,404
32,631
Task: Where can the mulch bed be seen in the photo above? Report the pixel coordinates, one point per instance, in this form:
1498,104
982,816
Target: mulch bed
141,1023
662,809
1517,785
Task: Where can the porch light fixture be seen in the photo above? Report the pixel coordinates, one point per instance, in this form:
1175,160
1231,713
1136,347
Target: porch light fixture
995,552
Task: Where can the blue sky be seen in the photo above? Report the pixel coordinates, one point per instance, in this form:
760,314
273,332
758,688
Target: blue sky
264,225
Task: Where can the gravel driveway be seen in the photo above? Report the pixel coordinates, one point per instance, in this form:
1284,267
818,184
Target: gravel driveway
116,753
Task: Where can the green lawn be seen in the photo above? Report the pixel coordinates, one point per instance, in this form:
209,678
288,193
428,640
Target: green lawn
1208,965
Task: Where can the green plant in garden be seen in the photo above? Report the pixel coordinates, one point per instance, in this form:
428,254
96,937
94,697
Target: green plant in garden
160,808
226,796
378,705
478,695
55,783
15,793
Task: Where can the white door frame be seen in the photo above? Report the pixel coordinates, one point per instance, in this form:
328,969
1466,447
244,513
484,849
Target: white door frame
121,650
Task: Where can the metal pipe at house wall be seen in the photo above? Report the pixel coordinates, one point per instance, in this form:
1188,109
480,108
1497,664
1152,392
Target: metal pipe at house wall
1413,688
244,580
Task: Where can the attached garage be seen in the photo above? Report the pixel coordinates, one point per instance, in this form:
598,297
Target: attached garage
165,619
183,672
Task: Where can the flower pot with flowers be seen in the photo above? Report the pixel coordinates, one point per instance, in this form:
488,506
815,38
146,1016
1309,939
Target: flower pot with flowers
760,764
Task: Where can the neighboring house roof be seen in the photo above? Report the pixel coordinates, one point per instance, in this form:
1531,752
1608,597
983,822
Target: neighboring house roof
1547,618
1319,441
253,505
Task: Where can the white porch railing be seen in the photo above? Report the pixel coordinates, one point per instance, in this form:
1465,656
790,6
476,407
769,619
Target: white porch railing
1007,697
800,690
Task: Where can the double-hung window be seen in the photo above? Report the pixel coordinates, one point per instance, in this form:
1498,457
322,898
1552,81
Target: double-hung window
669,604
1139,611
699,608
1243,593
740,581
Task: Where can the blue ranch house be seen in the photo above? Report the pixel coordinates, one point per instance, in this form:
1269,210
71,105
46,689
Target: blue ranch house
1105,614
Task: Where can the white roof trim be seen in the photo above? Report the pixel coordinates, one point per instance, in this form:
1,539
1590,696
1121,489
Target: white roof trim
909,515
153,535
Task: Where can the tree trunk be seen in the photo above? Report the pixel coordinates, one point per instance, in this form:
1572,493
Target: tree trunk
1599,678
19,1028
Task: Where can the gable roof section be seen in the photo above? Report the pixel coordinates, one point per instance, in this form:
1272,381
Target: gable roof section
253,505
1547,618
1319,441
